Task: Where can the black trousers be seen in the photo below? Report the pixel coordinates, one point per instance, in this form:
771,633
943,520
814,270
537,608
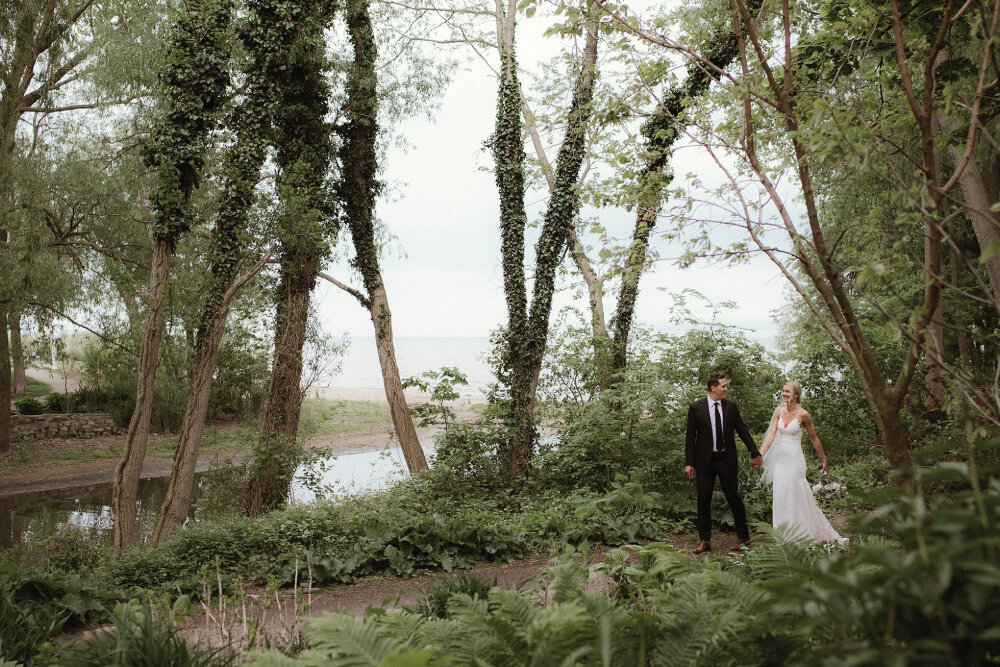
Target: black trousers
705,483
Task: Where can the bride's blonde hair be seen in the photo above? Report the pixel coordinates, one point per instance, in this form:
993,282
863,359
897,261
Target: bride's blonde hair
796,389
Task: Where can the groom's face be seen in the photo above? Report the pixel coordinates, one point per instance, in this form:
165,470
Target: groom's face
719,391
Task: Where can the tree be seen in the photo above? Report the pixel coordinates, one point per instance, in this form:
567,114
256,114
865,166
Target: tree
194,84
306,227
39,55
268,41
660,130
805,95
527,327
357,190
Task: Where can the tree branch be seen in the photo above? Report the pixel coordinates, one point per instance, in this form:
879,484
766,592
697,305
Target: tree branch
364,300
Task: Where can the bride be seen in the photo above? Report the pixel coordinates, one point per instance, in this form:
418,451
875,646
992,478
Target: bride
785,469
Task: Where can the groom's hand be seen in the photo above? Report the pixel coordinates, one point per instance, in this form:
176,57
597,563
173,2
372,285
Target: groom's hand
757,461
689,471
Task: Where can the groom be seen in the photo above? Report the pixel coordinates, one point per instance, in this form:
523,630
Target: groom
710,451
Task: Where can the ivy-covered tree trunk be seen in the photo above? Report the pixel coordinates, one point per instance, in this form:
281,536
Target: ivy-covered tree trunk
305,228
17,351
194,85
268,41
660,132
509,157
357,191
526,343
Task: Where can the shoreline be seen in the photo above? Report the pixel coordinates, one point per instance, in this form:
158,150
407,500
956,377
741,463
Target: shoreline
49,474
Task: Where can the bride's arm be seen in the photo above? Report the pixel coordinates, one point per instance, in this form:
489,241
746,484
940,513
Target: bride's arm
769,437
807,422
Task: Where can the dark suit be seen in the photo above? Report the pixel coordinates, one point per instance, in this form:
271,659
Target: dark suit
708,464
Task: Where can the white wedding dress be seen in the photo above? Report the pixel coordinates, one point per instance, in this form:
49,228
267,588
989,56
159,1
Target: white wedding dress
793,501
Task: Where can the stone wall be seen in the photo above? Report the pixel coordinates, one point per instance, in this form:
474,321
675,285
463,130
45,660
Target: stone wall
81,424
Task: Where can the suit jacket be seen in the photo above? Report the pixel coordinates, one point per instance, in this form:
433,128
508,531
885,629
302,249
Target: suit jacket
698,442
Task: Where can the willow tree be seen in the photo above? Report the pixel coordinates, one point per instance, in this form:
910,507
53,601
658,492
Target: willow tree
528,325
306,226
42,50
268,38
193,87
357,190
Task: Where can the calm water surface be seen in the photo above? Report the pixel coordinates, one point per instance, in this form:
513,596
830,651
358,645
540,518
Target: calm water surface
28,519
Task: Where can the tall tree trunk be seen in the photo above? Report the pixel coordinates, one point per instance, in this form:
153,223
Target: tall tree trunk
277,454
5,439
661,131
306,226
528,350
177,502
895,438
193,94
358,189
980,195
402,420
635,261
252,123
509,157
17,351
125,485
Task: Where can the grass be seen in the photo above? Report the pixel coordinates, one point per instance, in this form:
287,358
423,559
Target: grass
322,417
33,389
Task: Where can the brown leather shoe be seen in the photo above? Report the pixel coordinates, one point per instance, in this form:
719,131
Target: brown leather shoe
740,541
703,547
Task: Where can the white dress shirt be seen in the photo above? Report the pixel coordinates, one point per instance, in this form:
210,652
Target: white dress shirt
717,428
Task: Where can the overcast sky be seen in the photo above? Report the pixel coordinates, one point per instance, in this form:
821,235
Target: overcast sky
446,220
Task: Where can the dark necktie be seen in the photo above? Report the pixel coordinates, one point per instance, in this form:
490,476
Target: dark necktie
718,429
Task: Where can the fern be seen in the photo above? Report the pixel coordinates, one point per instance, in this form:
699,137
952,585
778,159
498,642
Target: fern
705,616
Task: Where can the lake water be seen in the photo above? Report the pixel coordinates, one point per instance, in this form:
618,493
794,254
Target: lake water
28,519
360,367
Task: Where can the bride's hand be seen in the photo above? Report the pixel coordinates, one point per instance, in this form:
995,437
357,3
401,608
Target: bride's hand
825,468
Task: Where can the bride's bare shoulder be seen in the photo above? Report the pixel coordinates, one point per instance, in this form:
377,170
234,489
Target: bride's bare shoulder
804,416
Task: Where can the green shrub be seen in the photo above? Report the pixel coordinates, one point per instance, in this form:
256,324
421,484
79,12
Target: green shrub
60,402
29,406
70,550
118,400
467,460
919,589
108,385
35,606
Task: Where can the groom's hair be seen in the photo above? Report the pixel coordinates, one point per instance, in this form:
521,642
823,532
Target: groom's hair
714,378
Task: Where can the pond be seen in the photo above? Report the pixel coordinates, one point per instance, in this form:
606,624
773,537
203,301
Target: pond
27,519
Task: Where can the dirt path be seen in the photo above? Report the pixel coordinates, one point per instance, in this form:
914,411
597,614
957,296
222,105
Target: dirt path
281,615
53,378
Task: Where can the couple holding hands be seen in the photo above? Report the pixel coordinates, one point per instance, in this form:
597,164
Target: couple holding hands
710,452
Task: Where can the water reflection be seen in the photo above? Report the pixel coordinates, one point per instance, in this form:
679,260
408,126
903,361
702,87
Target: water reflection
27,519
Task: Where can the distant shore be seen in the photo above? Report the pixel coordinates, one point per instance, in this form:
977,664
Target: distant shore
377,395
